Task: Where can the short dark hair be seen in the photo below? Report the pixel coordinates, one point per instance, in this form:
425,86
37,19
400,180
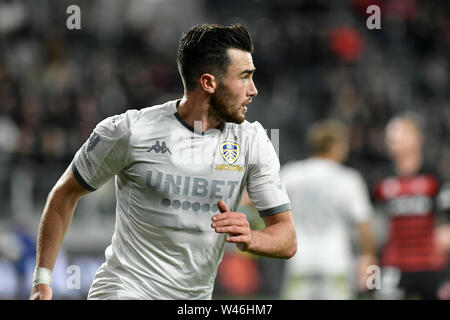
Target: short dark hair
203,49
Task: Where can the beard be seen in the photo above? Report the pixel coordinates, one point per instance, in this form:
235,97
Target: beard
223,106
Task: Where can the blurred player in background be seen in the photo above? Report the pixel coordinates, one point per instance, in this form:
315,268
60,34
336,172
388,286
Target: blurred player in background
330,201
176,166
414,200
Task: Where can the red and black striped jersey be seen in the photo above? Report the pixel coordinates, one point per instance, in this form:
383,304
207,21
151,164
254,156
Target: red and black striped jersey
411,202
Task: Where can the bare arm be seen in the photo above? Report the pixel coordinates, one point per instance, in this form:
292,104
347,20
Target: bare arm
368,254
278,239
55,221
367,239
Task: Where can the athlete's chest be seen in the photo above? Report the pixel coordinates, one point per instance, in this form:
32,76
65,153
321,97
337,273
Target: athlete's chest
173,162
412,196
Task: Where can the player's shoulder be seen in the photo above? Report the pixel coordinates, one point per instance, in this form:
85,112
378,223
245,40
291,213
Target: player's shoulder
120,124
336,169
312,165
116,125
430,171
252,131
290,169
244,125
151,115
166,108
293,166
156,113
351,175
253,126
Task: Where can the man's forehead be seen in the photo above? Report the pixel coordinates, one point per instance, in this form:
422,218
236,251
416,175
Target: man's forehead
400,125
240,59
402,128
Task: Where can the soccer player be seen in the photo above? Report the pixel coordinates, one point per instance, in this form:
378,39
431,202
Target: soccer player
180,169
415,201
330,201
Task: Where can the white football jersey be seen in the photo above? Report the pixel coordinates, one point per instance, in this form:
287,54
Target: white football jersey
328,200
169,178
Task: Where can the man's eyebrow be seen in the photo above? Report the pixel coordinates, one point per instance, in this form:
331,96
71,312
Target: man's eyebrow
249,71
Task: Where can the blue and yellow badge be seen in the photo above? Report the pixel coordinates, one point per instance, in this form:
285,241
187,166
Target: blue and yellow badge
229,151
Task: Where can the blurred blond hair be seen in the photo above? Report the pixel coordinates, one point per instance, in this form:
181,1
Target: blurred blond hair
323,135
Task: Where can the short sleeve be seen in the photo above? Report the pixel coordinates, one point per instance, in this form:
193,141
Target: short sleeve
265,187
104,154
357,204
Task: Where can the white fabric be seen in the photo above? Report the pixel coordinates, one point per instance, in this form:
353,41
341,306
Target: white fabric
168,182
42,276
328,199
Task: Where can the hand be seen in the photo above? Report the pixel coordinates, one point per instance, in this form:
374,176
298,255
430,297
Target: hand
233,223
41,292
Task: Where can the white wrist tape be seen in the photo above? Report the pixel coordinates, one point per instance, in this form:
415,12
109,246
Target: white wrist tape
42,275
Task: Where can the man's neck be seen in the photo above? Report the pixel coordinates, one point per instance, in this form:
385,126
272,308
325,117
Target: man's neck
194,108
328,156
408,164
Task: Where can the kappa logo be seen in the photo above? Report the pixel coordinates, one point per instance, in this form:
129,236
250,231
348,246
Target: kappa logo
159,147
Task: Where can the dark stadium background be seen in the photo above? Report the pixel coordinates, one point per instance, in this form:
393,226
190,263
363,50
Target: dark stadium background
314,59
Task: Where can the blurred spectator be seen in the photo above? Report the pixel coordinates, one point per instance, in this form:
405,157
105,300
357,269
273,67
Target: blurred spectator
414,199
329,203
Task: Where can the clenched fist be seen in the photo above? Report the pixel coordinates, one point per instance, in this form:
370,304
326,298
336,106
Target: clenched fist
233,223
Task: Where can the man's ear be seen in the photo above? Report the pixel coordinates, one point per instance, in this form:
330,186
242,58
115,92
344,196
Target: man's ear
208,82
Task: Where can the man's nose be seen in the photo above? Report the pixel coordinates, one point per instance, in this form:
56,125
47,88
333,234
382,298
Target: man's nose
253,91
